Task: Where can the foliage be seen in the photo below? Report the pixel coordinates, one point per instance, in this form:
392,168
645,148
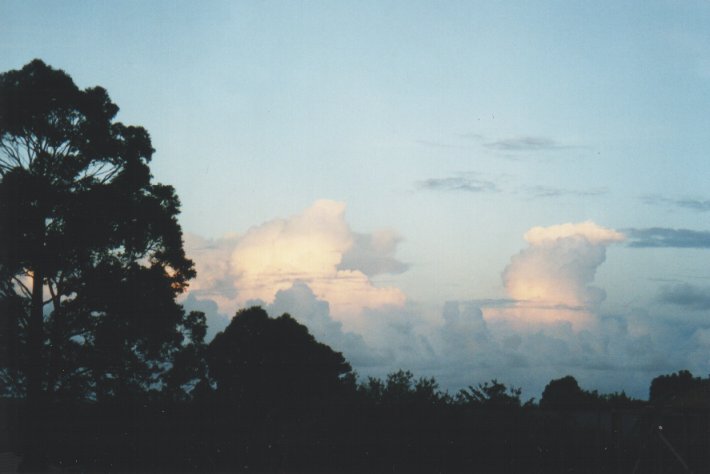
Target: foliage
258,360
565,393
493,394
400,387
88,242
680,388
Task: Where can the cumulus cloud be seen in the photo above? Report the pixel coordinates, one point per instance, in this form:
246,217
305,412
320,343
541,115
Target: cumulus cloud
664,237
316,247
617,353
302,304
551,325
215,320
551,279
402,334
554,325
215,279
374,254
464,326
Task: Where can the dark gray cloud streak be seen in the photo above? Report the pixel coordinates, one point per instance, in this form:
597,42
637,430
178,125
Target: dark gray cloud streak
699,205
476,185
458,183
552,192
525,144
685,295
659,237
695,204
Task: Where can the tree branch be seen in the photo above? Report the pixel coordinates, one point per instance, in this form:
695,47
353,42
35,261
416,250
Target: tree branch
23,287
53,293
11,152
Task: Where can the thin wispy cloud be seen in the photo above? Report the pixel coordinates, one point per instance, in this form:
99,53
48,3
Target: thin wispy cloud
658,237
458,183
525,143
492,302
471,136
694,204
437,144
553,192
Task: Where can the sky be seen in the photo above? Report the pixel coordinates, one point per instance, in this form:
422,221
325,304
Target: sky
469,190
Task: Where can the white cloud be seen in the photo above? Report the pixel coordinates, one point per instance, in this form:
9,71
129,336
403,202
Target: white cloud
311,248
551,279
374,254
315,268
215,279
302,304
587,230
215,320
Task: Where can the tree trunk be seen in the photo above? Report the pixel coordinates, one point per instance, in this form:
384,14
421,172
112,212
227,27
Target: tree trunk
35,338
35,402
54,333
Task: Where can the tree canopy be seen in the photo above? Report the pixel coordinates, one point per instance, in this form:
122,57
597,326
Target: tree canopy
260,360
91,255
564,393
680,388
493,394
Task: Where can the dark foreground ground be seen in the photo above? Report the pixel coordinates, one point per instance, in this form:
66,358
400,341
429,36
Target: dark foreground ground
358,437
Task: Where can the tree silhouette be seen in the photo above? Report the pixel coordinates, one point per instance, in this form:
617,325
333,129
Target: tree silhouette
493,394
400,387
565,393
12,338
679,388
259,361
89,243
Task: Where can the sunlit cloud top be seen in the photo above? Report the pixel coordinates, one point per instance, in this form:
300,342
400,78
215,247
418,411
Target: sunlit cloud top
588,230
316,248
551,279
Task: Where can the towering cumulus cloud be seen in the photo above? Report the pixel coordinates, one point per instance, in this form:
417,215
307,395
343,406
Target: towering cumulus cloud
551,279
316,248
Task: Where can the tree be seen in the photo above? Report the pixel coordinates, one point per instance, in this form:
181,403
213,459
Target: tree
12,309
679,388
88,243
565,393
258,361
401,388
493,394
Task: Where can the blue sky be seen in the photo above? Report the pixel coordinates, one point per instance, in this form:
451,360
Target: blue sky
408,147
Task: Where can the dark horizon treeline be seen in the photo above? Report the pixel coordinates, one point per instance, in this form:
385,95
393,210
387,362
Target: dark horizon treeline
273,399
101,370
